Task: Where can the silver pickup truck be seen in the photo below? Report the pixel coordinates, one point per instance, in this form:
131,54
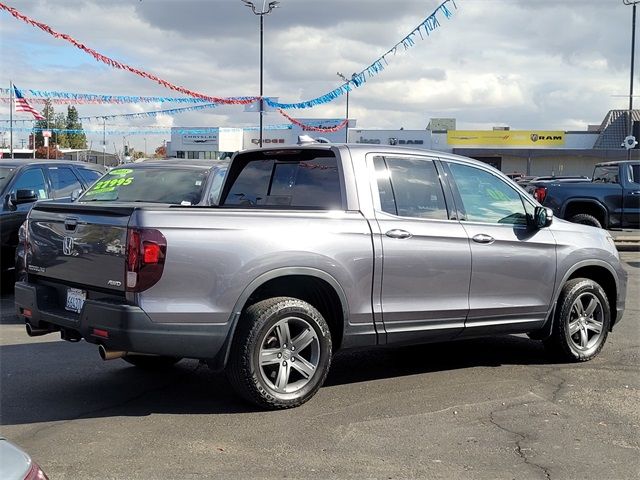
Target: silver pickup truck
317,248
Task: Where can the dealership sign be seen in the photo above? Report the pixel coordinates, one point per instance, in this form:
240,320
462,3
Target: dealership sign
200,139
502,138
390,141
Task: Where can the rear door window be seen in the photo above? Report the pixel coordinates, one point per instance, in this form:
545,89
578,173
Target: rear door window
606,174
63,181
410,187
89,176
309,183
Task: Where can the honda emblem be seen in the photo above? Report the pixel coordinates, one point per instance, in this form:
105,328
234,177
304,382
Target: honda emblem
67,245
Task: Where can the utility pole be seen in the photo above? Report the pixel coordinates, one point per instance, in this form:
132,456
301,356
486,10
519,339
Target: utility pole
346,135
11,118
264,11
633,51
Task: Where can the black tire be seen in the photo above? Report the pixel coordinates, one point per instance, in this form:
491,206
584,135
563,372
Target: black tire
562,343
586,219
151,362
255,331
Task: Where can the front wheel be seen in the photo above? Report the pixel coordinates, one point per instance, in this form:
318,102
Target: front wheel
586,219
582,321
281,353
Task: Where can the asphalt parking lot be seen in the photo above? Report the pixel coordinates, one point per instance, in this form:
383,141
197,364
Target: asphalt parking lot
488,408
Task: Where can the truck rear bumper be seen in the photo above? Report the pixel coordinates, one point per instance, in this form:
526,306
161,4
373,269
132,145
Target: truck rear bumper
128,327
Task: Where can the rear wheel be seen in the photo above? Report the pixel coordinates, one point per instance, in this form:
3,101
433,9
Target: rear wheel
281,353
151,362
586,219
582,321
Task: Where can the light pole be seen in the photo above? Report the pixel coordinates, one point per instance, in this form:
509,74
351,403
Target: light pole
145,147
346,135
266,10
633,51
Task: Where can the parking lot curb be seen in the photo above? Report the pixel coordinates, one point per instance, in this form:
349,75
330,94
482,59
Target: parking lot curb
626,243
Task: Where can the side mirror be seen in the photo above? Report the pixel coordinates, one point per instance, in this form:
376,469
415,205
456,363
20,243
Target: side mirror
542,217
24,196
76,194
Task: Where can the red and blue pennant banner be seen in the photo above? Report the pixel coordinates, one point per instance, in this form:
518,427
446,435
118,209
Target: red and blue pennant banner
41,96
140,131
123,66
315,128
425,28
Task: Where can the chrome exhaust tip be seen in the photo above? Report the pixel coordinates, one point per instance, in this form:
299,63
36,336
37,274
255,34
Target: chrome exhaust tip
36,332
106,354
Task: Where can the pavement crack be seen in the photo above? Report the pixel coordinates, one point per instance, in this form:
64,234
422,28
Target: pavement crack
520,437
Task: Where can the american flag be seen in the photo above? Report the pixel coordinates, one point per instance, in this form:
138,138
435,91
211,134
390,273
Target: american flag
23,106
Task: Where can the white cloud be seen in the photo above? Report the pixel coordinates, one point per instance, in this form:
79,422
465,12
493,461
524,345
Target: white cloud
542,64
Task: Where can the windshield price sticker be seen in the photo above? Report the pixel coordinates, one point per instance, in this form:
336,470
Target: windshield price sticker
110,185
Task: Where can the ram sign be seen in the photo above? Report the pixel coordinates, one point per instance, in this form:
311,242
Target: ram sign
505,138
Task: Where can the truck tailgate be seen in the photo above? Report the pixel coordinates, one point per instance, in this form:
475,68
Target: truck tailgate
79,244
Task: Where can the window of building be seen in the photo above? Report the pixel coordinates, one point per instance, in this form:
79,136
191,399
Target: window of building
180,154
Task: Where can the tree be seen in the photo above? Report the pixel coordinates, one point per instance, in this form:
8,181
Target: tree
60,123
52,152
48,113
75,139
161,152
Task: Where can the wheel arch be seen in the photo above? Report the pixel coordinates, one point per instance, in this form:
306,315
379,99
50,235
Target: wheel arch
312,285
589,206
598,271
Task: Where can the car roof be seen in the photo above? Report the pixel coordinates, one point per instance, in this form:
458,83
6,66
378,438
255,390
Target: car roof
617,162
176,163
22,162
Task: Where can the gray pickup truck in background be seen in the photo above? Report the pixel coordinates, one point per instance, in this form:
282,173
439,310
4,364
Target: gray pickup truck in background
312,249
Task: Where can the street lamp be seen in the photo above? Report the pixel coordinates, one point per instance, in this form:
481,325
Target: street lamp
346,135
633,50
266,10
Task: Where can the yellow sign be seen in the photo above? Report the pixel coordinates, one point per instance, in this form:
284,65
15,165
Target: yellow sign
503,138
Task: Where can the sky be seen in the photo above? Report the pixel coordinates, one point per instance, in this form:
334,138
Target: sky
526,64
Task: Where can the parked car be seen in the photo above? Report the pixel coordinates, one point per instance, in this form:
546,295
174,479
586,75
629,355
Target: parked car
313,249
16,464
610,200
23,182
193,182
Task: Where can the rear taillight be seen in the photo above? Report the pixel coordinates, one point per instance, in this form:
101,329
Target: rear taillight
539,193
35,473
146,252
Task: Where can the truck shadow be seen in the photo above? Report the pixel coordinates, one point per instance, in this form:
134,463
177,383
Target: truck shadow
57,381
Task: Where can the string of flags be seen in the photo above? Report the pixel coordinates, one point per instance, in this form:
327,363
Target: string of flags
425,28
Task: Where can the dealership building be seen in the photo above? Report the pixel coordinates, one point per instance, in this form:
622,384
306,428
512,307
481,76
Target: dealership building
530,152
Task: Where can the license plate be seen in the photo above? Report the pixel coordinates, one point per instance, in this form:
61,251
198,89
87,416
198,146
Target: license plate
75,299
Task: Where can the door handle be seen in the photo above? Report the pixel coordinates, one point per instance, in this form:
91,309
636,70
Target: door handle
483,238
397,233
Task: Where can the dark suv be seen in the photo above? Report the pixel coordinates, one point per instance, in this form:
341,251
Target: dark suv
23,182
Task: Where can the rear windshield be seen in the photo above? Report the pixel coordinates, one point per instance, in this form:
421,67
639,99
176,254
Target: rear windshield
292,180
608,174
175,185
5,175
